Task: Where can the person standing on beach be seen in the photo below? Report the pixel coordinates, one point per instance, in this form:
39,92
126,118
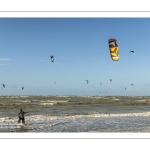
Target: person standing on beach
21,116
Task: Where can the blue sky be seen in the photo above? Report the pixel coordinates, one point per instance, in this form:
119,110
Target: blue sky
81,52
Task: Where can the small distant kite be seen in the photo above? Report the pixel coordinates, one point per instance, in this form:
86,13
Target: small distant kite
114,49
110,80
3,85
132,84
132,52
22,87
100,83
87,81
52,58
125,88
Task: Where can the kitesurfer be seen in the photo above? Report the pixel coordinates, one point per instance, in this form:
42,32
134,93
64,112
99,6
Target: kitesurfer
21,116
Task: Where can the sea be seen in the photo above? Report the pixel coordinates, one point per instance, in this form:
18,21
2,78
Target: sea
75,114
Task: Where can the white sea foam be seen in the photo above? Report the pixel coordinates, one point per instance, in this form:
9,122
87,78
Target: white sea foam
90,115
54,101
49,102
78,123
116,99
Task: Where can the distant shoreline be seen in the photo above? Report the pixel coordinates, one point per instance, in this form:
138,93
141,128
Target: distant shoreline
72,96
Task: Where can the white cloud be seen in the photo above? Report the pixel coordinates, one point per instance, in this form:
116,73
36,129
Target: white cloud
5,59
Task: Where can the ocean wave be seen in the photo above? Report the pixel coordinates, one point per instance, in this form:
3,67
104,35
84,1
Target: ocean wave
75,100
47,103
51,102
90,115
78,123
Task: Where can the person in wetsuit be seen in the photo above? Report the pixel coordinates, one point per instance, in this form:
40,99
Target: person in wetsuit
21,116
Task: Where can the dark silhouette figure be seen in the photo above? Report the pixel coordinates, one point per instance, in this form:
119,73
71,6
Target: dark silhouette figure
21,116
